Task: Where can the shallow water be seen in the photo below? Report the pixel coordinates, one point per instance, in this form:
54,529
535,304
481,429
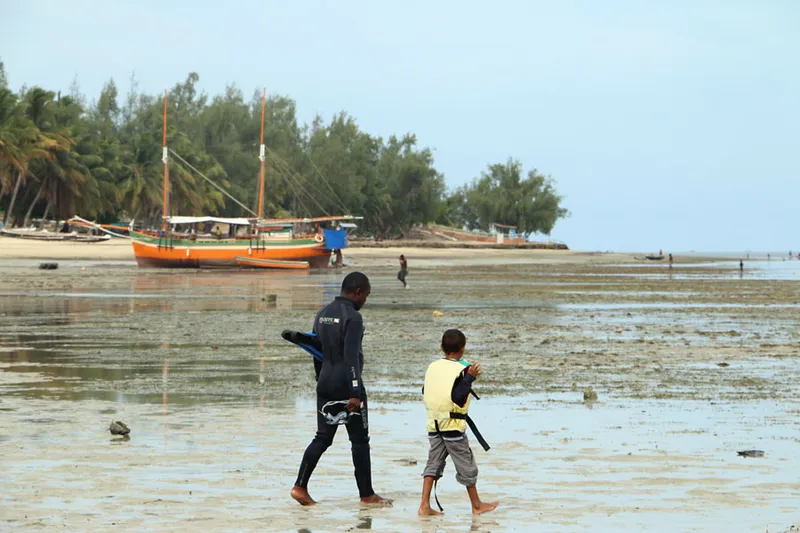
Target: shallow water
221,407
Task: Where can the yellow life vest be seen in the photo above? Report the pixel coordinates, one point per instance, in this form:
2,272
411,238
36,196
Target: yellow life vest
439,380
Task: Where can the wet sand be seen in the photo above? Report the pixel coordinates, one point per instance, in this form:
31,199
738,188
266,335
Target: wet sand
690,366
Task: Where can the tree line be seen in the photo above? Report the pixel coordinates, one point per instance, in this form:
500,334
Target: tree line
61,155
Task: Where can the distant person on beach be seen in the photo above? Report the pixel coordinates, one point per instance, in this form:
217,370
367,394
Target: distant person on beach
670,260
403,271
341,397
447,388
741,265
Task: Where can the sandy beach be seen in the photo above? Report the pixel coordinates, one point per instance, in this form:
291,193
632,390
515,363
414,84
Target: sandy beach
691,365
120,250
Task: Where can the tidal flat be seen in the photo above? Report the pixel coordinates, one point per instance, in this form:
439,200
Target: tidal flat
690,364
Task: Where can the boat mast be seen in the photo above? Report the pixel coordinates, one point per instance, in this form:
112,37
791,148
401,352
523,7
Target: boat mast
262,156
165,159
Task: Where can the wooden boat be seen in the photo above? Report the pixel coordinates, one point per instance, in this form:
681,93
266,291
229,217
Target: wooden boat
53,237
654,257
267,240
249,262
204,253
112,230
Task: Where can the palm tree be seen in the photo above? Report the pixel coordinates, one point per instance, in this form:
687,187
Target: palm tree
21,141
16,134
48,154
13,129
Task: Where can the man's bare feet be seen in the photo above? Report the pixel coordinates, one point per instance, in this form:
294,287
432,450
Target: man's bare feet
302,496
376,501
485,507
426,510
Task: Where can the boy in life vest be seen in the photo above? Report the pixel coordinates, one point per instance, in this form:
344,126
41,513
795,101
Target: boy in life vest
447,389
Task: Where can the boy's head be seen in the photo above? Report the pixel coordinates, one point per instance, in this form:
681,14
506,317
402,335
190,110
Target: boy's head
453,343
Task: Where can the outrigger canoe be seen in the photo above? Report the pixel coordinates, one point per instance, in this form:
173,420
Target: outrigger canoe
250,262
53,237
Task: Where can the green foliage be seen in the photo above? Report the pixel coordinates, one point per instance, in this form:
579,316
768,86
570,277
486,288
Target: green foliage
61,157
501,195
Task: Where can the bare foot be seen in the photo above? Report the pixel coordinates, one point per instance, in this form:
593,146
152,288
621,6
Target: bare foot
427,511
376,501
302,496
485,507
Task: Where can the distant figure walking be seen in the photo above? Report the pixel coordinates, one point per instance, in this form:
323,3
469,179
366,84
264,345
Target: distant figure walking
670,260
741,265
403,271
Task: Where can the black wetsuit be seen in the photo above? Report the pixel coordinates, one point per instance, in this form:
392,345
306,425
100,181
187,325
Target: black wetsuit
340,329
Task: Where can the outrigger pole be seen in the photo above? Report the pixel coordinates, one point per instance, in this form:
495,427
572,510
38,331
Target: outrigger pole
165,159
262,155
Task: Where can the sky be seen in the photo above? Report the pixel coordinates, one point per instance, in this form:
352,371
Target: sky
666,125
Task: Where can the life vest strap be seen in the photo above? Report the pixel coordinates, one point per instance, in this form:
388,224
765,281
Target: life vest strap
473,427
436,481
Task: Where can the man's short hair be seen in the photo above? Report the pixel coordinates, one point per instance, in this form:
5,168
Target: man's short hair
354,281
453,341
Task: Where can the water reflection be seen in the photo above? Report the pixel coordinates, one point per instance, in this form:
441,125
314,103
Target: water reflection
148,291
364,522
481,524
232,290
164,374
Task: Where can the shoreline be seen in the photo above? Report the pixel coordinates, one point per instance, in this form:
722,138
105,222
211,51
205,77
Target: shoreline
359,252
413,243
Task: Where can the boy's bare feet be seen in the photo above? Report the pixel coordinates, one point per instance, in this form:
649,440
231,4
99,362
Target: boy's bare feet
302,496
376,501
485,507
425,510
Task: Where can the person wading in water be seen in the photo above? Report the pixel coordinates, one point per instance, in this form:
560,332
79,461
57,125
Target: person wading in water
341,397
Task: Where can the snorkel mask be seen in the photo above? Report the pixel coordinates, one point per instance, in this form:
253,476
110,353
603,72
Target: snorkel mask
335,413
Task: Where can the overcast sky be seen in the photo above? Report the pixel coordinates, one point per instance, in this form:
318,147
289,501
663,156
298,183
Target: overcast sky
671,125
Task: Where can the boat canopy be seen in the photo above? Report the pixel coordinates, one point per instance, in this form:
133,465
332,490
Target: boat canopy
221,220
269,222
311,220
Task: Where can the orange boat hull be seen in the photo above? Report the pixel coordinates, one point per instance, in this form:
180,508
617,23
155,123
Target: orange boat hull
224,256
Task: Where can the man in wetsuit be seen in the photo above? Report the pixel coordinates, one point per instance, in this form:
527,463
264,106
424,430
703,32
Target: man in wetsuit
340,329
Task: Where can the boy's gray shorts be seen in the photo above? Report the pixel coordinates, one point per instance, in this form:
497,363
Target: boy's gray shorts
459,450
